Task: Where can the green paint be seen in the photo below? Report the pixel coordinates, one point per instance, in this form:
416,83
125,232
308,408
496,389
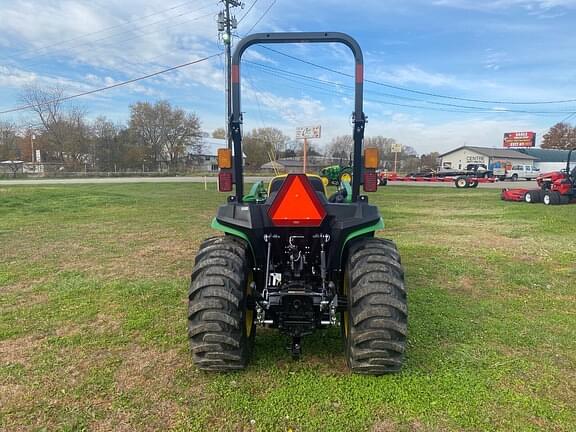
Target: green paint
257,193
232,231
348,188
377,226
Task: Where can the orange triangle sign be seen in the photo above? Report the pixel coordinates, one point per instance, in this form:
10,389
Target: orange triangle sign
297,204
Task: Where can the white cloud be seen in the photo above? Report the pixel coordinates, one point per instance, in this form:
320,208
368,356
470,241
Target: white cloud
409,74
533,7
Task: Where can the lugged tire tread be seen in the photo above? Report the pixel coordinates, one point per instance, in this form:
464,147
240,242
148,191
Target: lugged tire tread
216,298
378,323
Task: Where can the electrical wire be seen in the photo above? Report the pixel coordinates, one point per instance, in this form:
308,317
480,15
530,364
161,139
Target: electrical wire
119,84
63,42
481,109
262,16
438,95
62,50
248,11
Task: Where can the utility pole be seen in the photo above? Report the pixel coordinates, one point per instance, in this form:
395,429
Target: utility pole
226,24
32,144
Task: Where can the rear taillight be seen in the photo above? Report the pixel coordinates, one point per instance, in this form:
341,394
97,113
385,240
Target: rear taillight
225,181
370,182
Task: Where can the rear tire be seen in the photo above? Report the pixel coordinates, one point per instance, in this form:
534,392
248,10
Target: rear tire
382,181
473,184
551,198
514,177
221,327
375,323
533,197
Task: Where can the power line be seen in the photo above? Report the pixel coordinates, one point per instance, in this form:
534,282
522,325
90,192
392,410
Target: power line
62,50
568,117
248,11
262,16
63,42
120,84
480,109
419,91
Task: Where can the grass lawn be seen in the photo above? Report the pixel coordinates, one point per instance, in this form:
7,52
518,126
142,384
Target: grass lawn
93,284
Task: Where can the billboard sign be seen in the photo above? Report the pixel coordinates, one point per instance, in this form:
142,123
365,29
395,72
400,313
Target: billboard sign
308,132
519,139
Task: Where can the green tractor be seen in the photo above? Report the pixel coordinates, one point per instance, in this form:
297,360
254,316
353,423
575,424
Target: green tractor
336,174
296,260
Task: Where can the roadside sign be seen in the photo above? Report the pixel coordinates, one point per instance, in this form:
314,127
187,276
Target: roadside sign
307,132
396,148
519,139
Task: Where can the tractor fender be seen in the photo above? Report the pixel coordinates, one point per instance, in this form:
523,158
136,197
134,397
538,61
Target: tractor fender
358,233
233,232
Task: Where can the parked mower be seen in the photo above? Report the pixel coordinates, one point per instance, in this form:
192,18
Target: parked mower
557,187
294,260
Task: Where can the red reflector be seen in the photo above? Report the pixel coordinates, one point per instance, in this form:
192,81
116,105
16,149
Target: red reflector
297,204
370,182
224,181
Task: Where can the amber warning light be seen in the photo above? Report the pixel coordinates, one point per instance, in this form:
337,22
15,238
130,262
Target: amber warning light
297,204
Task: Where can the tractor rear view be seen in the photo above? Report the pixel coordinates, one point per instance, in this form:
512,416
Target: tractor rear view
295,260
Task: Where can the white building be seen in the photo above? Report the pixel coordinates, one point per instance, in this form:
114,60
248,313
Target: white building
460,157
550,159
207,159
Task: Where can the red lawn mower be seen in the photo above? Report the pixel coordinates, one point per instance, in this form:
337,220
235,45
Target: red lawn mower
556,187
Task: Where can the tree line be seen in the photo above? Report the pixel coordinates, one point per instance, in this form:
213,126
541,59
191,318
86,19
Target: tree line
157,136
160,136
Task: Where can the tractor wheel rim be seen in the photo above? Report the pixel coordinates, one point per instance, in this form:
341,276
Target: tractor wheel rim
325,181
462,182
528,198
346,177
546,199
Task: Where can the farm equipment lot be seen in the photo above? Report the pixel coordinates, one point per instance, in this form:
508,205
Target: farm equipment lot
93,286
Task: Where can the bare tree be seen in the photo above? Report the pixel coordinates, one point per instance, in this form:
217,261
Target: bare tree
219,133
9,150
340,147
66,129
167,131
262,143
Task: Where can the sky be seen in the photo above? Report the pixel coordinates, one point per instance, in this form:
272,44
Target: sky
442,73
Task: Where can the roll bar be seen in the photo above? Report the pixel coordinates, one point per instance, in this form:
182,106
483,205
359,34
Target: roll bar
358,117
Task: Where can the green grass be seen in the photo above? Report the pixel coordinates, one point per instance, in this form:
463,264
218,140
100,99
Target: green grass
93,286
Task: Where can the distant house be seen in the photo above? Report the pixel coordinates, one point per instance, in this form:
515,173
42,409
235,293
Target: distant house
207,158
464,155
549,159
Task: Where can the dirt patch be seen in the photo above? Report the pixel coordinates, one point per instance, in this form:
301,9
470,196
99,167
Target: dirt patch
20,350
101,324
118,421
147,368
384,426
10,394
468,286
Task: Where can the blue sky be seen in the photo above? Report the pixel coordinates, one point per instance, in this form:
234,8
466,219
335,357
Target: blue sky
494,50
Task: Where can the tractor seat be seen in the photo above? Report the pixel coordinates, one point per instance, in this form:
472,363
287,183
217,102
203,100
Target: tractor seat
315,181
